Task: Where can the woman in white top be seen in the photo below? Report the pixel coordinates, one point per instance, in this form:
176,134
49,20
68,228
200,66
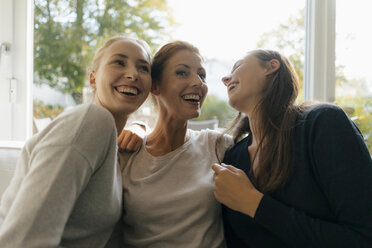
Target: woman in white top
66,191
168,183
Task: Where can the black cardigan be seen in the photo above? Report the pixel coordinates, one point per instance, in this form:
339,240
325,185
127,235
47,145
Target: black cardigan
327,201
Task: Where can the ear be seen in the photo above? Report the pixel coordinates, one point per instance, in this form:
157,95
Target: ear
92,81
155,89
272,66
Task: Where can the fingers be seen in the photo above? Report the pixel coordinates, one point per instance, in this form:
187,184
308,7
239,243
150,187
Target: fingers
124,139
230,167
121,136
134,143
220,167
217,168
138,144
129,141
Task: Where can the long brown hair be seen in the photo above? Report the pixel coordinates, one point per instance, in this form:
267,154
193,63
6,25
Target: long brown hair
277,113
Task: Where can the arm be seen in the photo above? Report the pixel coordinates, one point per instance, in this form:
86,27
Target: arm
46,197
343,168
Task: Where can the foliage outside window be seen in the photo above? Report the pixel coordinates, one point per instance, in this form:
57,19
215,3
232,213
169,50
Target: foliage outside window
67,33
288,38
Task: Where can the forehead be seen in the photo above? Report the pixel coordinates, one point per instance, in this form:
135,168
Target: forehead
248,59
251,58
129,48
185,57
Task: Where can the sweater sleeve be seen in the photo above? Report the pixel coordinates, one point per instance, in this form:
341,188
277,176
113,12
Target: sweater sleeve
37,217
343,169
220,142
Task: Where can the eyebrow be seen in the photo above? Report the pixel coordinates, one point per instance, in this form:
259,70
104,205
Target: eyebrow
184,65
200,68
126,57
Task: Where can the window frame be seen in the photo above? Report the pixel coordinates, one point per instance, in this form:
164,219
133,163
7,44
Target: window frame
20,73
319,75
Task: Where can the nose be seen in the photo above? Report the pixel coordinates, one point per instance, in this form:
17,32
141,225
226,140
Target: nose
226,79
131,73
197,81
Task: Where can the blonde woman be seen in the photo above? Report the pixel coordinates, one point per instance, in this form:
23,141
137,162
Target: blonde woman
67,188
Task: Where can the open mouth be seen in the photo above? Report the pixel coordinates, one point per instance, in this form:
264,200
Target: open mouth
194,98
231,86
128,90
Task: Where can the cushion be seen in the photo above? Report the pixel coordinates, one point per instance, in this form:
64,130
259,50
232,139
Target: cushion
9,153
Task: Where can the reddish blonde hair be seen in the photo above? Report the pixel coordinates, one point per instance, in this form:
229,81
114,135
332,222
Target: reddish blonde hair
164,54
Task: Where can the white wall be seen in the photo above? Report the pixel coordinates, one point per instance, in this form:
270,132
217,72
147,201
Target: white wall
16,29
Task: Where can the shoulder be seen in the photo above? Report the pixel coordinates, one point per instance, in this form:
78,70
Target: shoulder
211,136
82,124
88,116
237,148
92,111
324,111
324,116
327,127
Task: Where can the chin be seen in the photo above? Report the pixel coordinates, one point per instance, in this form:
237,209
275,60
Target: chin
238,107
192,116
232,103
126,111
196,115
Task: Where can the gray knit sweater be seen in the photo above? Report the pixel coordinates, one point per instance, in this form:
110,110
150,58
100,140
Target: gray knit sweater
66,191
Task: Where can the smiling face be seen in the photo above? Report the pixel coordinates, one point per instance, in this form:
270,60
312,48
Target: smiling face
122,80
245,84
182,89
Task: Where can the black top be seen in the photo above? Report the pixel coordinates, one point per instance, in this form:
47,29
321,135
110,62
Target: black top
327,201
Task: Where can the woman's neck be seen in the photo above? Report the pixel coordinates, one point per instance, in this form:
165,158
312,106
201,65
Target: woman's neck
120,122
168,135
255,141
254,127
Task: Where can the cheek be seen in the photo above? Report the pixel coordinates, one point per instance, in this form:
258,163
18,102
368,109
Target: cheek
147,84
204,92
205,89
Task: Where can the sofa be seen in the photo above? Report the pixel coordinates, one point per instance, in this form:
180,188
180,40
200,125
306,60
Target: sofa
9,154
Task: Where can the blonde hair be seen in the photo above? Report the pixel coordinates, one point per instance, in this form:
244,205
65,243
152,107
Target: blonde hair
99,53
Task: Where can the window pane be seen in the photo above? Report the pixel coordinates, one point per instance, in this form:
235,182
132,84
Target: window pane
66,35
233,28
65,43
353,67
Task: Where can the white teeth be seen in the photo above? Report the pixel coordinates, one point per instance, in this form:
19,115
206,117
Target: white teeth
232,85
128,90
191,97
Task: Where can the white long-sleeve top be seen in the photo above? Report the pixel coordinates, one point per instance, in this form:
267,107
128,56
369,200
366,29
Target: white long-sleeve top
169,200
66,191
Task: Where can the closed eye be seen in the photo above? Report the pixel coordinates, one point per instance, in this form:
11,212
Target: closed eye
236,66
